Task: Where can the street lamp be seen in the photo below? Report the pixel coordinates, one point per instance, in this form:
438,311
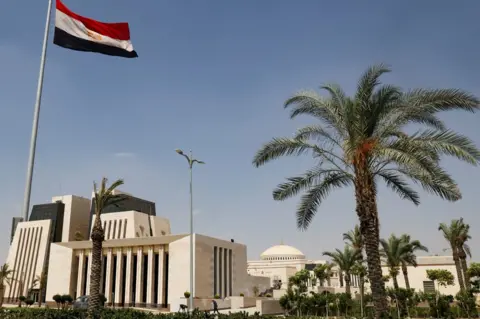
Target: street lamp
190,161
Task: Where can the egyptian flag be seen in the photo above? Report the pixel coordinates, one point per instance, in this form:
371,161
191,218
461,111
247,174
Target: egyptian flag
83,34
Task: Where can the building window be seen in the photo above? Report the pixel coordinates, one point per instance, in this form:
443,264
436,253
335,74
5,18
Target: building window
429,287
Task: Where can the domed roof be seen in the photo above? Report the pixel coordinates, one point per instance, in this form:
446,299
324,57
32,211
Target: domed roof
282,252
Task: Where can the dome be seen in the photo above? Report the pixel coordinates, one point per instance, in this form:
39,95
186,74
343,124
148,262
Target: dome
282,252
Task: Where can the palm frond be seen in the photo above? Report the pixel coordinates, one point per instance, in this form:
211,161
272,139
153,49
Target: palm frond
314,197
368,81
399,185
442,100
294,185
279,147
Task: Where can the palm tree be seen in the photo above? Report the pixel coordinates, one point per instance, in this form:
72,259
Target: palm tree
393,250
5,279
464,251
323,272
354,239
410,258
360,270
104,197
452,234
345,261
362,139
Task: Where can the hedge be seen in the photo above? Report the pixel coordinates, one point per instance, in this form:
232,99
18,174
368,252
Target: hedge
44,313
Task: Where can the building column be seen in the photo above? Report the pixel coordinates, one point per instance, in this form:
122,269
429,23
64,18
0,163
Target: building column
80,276
128,278
140,274
227,273
161,278
119,280
89,271
109,276
150,277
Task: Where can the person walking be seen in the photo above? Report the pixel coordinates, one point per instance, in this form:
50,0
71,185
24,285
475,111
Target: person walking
215,307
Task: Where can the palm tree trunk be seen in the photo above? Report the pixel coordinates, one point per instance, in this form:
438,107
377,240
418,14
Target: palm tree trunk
347,283
362,294
456,259
40,297
464,266
395,282
2,291
95,273
340,276
366,208
405,275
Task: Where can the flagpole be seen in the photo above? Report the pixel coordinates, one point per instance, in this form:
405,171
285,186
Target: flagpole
36,115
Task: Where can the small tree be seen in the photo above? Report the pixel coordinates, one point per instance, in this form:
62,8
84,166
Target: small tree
442,277
21,299
29,302
58,300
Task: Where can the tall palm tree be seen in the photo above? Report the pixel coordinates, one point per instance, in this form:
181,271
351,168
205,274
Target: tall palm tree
452,234
5,279
362,139
354,239
393,251
410,258
104,197
345,261
464,251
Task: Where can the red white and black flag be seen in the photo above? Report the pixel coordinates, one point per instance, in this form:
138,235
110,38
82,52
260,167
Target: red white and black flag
75,32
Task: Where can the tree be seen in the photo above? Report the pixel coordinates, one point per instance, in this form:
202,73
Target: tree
104,197
392,251
362,139
452,234
360,270
464,251
354,239
323,272
409,258
5,279
474,273
442,277
345,261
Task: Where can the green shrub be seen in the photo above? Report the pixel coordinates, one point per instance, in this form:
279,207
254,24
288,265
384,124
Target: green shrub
186,294
241,294
217,296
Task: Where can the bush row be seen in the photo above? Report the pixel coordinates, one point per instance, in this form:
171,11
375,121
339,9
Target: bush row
44,313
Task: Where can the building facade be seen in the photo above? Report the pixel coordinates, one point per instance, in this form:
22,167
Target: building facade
30,245
143,263
280,262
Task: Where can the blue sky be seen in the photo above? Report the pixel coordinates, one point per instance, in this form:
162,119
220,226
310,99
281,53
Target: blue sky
212,76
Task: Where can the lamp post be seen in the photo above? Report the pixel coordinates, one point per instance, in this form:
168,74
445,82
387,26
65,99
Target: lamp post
190,161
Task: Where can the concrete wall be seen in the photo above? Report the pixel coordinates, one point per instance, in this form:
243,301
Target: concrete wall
179,263
76,216
132,224
269,307
242,302
160,226
417,275
61,275
27,255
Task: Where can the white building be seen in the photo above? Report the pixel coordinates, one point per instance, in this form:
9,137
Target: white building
144,264
280,262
